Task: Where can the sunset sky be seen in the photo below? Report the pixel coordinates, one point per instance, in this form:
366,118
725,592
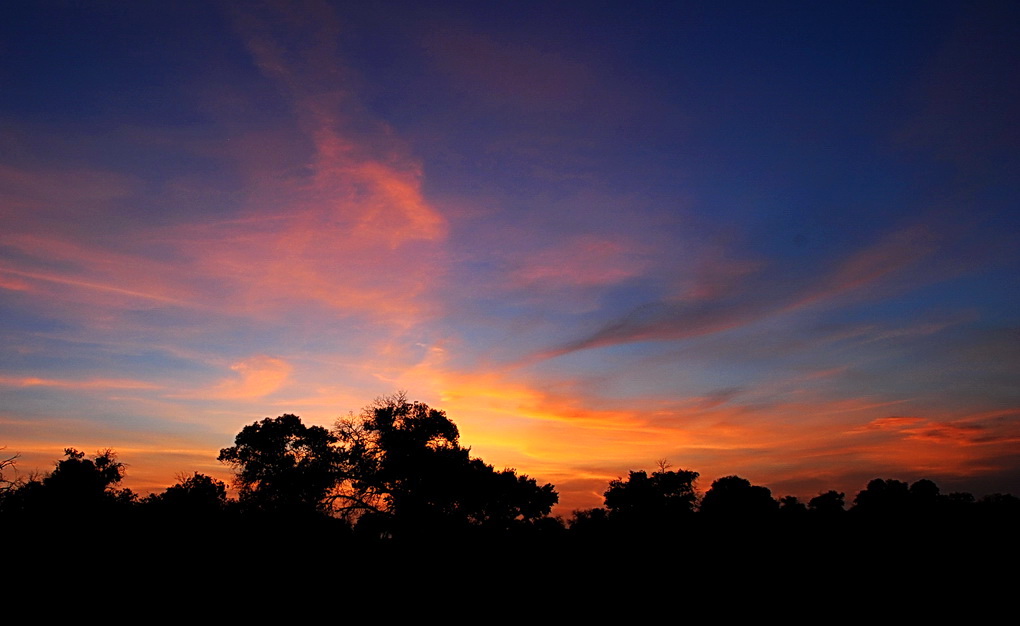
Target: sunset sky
772,239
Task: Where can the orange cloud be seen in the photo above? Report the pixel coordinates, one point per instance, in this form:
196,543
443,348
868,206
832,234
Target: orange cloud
256,377
555,432
890,423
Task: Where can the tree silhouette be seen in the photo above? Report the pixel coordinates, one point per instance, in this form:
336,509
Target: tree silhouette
398,470
282,466
829,503
589,521
662,498
390,449
193,496
407,473
79,477
733,497
883,497
792,508
83,485
1004,505
77,488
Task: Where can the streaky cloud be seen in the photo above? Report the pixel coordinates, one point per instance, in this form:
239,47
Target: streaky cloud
749,298
85,284
96,383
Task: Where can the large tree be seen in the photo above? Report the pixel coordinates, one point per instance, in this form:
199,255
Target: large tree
283,466
409,473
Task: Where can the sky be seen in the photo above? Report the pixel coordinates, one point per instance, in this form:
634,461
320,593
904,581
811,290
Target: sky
777,240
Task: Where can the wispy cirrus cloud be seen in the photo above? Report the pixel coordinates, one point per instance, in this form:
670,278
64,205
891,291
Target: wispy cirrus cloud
749,295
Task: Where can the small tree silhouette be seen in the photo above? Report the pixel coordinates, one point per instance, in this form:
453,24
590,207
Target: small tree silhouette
80,483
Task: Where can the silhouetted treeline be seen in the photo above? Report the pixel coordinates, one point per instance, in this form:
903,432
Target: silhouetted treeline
397,475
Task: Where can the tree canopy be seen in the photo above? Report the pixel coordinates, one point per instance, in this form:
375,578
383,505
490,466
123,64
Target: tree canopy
734,497
283,466
195,495
664,496
830,503
407,472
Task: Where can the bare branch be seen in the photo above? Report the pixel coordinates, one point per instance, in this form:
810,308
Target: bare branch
6,484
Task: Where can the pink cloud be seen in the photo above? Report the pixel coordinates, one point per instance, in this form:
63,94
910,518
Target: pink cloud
86,285
356,237
11,283
582,261
95,274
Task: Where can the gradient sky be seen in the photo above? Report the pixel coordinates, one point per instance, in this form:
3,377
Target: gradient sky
773,239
